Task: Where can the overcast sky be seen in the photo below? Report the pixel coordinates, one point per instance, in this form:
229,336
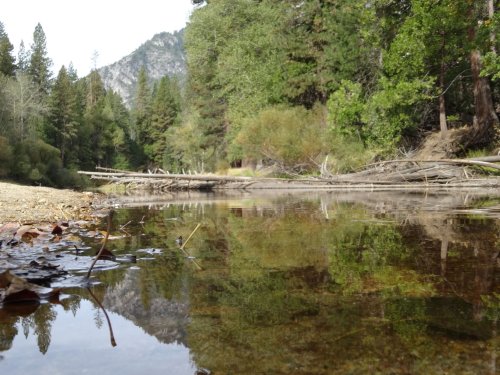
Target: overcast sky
75,29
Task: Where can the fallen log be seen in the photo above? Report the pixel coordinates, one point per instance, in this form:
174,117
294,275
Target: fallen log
166,176
417,173
474,162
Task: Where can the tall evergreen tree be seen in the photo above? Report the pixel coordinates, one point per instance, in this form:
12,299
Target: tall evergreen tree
23,58
141,109
40,64
7,60
95,89
325,44
164,114
63,116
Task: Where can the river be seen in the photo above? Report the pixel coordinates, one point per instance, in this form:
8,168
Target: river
279,283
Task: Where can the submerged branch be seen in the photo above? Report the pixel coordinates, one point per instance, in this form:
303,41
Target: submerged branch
186,253
110,216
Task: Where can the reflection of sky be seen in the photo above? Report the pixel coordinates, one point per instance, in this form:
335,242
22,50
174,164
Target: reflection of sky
78,347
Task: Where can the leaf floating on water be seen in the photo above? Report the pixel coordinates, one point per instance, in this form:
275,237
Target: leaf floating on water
5,279
18,290
57,230
27,233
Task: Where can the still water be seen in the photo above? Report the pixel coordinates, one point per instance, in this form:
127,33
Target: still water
289,283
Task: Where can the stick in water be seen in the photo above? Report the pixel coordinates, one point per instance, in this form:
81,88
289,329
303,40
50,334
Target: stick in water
191,235
186,253
110,216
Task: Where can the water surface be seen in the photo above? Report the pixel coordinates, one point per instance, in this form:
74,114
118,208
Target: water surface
290,283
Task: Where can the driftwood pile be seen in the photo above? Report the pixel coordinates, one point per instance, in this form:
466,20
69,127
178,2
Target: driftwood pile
406,174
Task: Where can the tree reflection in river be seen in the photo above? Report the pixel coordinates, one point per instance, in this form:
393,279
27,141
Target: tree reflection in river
320,283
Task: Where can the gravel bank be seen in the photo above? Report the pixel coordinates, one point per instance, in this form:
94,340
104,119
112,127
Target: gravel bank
33,204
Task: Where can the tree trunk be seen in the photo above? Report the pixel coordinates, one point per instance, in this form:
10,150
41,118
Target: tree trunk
485,118
442,104
491,14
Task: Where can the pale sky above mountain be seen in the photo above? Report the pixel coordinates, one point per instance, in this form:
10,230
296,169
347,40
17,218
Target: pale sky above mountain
75,29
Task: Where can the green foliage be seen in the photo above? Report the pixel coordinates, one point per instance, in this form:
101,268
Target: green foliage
36,161
260,75
348,154
48,129
491,66
64,116
164,114
141,111
23,58
40,63
7,61
345,107
291,137
383,118
325,43
392,111
186,149
6,157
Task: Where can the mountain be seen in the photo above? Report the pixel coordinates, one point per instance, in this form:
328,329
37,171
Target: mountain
162,55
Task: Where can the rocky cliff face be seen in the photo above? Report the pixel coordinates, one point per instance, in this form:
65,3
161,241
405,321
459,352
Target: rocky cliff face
162,55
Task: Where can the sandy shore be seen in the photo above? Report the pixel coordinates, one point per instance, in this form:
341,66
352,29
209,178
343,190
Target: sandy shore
30,204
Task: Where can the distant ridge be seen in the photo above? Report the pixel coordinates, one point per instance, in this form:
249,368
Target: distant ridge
161,55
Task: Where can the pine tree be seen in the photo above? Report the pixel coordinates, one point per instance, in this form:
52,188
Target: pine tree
141,110
40,63
164,114
23,58
7,61
63,116
95,89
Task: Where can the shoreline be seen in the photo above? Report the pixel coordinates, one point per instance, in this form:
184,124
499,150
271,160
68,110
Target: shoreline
38,205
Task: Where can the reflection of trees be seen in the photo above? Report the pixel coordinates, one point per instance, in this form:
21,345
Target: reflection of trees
463,251
42,323
33,318
8,331
301,294
36,318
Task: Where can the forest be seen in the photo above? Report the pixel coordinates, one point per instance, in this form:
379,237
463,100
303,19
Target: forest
282,84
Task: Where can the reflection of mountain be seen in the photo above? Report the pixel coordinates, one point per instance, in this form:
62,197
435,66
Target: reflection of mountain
162,318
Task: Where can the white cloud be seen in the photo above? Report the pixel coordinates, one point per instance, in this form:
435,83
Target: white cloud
75,29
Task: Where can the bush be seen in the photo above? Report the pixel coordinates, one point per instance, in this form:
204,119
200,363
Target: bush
345,107
379,121
293,138
36,161
6,157
392,111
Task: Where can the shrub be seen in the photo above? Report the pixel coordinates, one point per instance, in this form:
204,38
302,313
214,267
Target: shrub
6,157
293,138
